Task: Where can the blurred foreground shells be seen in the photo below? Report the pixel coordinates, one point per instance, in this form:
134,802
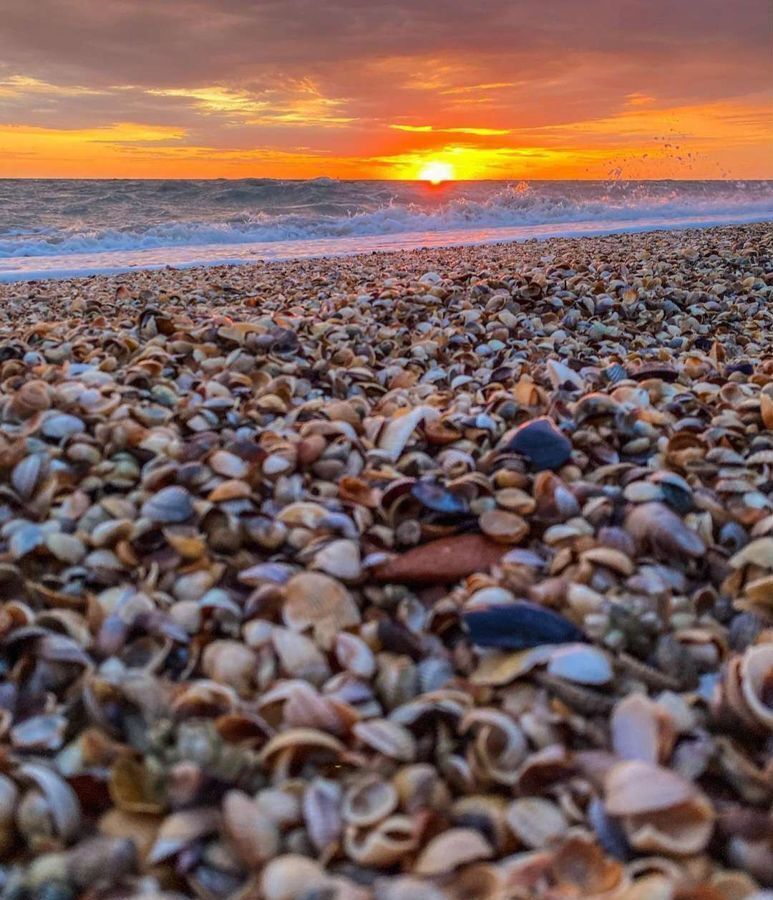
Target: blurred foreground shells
438,575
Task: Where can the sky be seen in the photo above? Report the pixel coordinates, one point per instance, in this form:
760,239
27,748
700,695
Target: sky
361,89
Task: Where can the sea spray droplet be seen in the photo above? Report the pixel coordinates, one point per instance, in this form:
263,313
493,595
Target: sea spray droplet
518,626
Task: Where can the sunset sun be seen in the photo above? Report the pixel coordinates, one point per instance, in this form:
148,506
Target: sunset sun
436,172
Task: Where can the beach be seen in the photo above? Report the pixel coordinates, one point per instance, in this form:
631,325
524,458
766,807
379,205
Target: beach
428,574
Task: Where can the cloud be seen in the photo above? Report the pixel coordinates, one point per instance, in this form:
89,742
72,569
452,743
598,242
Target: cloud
353,76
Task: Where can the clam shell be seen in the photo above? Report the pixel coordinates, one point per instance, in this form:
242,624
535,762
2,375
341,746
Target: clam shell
756,674
253,835
641,729
451,849
633,787
318,601
581,664
536,822
369,801
681,830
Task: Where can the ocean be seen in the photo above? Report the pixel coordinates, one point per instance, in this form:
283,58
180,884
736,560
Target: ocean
59,228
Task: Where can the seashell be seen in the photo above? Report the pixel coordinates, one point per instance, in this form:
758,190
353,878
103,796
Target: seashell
55,801
756,678
44,732
29,473
536,822
581,664
562,376
299,740
497,669
499,745
400,427
445,560
439,499
299,656
368,801
503,527
291,876
610,558
758,552
681,830
9,796
517,626
658,529
59,426
322,813
634,787
386,737
541,443
254,836
229,465
101,859
181,829
580,865
642,730
341,559
354,655
385,844
451,849
32,397
318,601
420,786
230,663
169,506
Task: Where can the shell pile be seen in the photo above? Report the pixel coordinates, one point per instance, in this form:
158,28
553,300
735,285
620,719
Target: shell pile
429,575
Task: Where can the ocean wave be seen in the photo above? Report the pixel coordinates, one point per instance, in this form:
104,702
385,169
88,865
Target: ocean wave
324,208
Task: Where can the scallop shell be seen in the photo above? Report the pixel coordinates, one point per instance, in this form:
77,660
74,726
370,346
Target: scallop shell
318,601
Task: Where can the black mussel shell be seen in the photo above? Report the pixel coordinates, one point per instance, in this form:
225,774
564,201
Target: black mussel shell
518,626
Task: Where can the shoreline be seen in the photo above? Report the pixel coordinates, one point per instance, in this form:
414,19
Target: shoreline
110,264
427,573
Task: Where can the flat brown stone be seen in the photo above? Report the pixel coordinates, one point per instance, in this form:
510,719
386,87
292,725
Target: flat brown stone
444,560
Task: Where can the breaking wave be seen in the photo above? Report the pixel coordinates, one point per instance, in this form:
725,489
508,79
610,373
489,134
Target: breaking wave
39,219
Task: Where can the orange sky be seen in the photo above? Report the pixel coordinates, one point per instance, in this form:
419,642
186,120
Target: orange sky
356,89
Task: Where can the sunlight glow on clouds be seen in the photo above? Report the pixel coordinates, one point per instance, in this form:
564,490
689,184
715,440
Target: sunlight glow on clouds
300,88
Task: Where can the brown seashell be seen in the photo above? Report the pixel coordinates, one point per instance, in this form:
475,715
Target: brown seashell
254,837
131,788
386,737
444,560
581,863
756,676
318,601
387,843
230,663
499,745
181,829
503,527
635,787
32,397
451,849
680,830
641,729
758,552
53,799
368,801
291,876
658,529
398,430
